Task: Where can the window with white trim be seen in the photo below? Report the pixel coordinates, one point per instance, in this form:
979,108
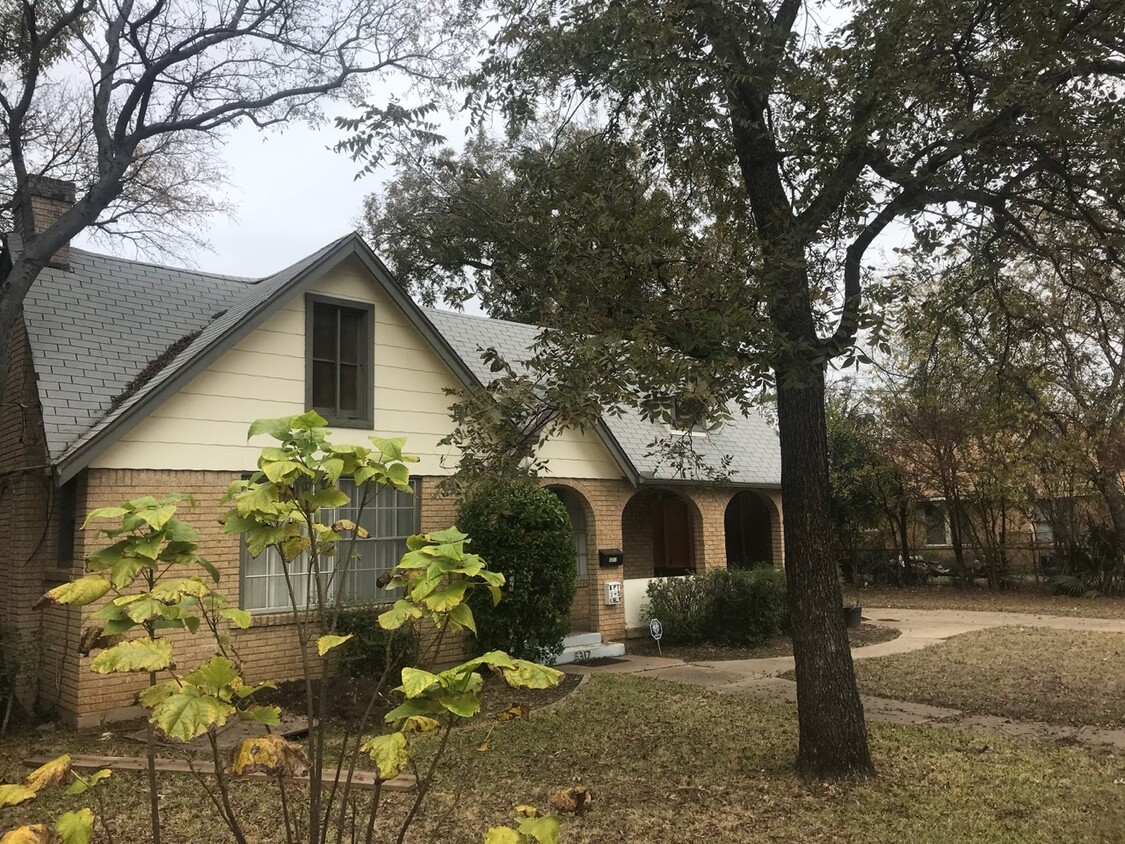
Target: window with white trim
389,516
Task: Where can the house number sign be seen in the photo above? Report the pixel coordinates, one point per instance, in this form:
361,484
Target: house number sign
657,630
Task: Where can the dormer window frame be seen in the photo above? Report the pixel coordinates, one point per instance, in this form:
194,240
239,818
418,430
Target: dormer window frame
363,365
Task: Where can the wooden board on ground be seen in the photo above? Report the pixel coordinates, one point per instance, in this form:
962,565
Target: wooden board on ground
360,779
233,734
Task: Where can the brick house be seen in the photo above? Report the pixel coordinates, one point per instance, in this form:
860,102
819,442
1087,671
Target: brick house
129,378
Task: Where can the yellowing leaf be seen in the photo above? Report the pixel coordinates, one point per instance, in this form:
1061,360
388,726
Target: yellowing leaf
35,833
465,704
530,675
415,682
484,746
543,830
77,593
189,713
75,827
526,811
512,713
398,615
157,693
463,616
420,724
134,655
326,643
501,835
388,752
269,754
53,773
13,795
239,618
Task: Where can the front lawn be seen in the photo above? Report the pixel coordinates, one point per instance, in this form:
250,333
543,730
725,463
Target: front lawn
865,634
1026,599
670,763
1026,673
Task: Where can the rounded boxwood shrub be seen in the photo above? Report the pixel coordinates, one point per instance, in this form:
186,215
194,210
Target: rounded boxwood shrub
521,530
722,607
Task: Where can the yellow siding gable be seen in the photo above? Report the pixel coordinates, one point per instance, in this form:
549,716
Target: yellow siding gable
203,426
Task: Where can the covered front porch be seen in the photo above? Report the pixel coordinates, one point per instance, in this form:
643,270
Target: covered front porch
658,531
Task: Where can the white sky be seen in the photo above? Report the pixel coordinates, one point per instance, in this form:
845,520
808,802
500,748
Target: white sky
290,193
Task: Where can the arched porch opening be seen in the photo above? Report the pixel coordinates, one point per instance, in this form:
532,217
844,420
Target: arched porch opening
583,616
659,530
748,527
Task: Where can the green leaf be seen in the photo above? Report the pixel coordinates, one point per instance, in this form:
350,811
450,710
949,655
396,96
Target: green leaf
388,752
104,513
463,704
260,714
239,618
157,517
416,682
189,713
277,428
78,593
462,615
545,830
308,421
330,496
214,675
502,835
446,599
75,827
398,615
158,693
422,707
85,783
278,470
125,569
333,467
134,655
449,535
13,795
327,642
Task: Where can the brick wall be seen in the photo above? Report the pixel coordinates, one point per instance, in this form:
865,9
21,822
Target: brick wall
29,529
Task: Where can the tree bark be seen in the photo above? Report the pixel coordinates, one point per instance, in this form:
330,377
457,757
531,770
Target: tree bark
833,740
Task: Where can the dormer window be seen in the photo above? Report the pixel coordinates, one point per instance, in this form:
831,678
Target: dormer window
338,377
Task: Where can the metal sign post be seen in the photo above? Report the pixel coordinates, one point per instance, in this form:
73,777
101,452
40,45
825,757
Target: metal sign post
656,629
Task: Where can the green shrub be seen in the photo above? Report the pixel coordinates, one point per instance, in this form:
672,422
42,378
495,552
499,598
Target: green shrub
522,530
365,654
723,607
683,605
747,606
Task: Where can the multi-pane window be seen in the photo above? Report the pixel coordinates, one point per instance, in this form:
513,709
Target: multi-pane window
577,515
389,516
339,361
937,526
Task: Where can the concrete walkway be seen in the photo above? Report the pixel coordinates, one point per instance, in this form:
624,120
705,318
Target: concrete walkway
758,678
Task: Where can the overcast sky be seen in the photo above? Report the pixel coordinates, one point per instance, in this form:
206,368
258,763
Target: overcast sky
290,194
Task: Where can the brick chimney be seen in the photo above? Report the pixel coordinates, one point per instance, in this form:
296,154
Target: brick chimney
50,199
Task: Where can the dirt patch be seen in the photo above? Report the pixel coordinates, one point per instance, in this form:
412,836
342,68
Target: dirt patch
865,634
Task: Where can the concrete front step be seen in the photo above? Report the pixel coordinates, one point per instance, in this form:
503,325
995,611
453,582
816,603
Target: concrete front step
582,639
586,653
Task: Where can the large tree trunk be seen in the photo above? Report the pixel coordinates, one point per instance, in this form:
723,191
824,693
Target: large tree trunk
833,740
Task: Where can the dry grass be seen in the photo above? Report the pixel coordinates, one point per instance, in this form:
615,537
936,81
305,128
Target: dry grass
1025,673
1028,599
865,634
672,763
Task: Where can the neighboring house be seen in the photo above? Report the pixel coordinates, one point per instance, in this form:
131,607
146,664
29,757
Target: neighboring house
129,378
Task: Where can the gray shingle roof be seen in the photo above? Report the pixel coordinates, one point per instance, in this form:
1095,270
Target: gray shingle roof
95,329
748,440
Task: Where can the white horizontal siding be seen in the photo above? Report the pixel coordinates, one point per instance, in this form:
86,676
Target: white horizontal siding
204,425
